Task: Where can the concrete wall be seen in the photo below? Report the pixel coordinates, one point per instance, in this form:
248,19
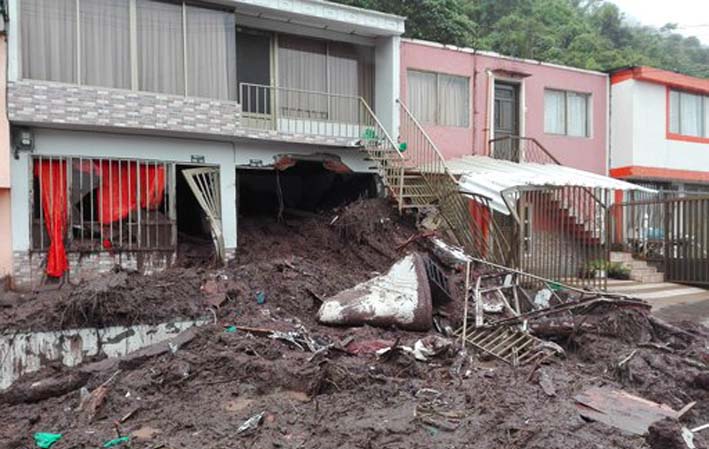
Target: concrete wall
588,153
5,156
386,83
642,140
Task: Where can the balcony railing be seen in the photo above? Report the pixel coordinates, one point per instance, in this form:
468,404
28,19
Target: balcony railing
296,111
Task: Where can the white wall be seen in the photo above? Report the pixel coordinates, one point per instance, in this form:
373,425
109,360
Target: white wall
621,154
648,138
387,83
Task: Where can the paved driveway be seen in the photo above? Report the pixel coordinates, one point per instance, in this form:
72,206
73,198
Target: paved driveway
671,302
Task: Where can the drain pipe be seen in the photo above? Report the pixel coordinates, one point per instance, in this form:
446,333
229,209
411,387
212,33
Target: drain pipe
472,99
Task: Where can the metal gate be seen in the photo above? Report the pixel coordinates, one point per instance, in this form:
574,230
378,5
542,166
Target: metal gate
674,233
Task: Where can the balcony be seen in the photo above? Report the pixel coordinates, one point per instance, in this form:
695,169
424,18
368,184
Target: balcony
317,117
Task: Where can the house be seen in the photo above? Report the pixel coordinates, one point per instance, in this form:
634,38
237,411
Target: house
524,139
136,123
467,99
660,129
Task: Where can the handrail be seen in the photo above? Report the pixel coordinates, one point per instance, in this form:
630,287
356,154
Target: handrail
315,92
428,139
530,139
376,120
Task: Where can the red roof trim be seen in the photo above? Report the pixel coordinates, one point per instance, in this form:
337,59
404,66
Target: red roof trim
659,76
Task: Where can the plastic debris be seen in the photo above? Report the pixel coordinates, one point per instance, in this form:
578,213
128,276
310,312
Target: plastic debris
251,424
116,442
46,440
260,297
230,329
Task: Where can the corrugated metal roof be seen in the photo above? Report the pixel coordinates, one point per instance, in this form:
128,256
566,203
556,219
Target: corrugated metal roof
491,178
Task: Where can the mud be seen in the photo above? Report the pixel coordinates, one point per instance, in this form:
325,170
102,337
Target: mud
346,396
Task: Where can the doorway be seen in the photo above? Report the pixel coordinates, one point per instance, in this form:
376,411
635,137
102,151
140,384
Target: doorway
253,70
196,245
506,122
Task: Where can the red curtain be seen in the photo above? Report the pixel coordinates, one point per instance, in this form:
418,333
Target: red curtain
481,219
52,178
118,192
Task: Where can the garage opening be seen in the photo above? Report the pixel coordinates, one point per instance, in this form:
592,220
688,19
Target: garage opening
195,242
300,188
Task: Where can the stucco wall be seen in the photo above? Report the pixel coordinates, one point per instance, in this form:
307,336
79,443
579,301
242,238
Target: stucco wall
650,145
622,124
4,123
579,152
5,233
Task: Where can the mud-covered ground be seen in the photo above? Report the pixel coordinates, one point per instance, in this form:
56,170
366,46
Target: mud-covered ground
199,395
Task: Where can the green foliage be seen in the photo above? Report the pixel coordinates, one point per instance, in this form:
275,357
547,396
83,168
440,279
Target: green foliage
592,34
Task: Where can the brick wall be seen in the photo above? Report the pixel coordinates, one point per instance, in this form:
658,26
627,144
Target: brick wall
85,107
40,102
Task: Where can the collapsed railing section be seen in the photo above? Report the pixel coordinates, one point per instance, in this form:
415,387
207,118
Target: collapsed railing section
102,204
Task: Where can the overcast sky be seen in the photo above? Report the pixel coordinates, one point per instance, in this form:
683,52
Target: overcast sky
691,16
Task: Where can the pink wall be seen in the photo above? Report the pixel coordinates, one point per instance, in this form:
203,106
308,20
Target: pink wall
579,152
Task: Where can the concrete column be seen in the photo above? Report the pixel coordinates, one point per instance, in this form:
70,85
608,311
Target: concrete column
387,83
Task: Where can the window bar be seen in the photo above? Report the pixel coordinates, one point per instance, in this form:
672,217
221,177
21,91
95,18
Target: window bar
156,213
146,194
131,165
68,185
41,169
109,215
173,211
138,211
92,220
81,201
120,203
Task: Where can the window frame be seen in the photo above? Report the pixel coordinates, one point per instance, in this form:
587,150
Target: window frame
589,113
133,50
672,135
437,119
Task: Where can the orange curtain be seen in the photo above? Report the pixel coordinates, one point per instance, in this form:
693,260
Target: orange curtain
118,192
481,219
52,178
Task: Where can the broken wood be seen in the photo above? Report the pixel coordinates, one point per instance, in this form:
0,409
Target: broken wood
23,393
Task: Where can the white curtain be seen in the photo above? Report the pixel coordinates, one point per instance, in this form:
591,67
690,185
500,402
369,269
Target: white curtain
577,114
423,95
211,53
302,66
105,43
48,34
674,112
453,100
554,112
691,114
160,47
344,80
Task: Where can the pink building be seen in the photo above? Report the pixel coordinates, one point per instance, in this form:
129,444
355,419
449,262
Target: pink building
465,98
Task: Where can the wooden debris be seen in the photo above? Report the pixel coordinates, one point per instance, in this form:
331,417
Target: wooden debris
622,410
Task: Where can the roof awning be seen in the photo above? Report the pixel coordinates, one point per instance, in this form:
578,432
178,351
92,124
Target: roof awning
494,179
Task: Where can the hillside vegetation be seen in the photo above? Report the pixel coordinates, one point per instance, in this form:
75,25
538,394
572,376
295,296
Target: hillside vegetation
592,34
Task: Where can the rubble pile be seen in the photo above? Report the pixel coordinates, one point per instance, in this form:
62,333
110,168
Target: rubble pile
275,368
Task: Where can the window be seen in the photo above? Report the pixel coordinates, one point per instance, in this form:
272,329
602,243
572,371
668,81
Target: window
689,114
321,66
98,204
181,49
566,113
439,99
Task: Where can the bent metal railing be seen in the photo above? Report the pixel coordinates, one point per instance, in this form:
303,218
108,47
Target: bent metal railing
443,187
310,113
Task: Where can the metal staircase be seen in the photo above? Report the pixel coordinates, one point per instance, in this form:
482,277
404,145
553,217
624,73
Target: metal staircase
417,177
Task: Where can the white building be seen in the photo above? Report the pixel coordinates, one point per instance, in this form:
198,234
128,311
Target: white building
111,100
660,129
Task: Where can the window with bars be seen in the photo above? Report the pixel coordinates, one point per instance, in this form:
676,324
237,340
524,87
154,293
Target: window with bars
567,113
155,46
97,204
439,99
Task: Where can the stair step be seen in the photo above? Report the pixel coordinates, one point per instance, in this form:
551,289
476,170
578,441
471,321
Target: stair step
648,278
617,256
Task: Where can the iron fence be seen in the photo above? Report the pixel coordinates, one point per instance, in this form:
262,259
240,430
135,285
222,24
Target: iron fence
671,232
102,204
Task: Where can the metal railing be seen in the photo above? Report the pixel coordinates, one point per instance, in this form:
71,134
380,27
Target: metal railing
520,149
297,111
673,232
103,204
422,153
